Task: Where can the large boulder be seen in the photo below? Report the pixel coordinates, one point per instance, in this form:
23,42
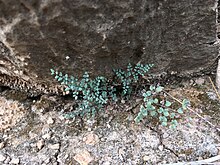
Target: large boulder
95,36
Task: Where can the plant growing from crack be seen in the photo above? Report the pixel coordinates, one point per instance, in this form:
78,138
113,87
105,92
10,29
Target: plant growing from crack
130,76
92,95
156,105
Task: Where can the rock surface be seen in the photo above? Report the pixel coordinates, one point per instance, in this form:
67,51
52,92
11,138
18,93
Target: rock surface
111,137
96,36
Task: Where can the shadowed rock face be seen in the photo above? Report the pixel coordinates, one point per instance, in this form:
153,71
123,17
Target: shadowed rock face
98,35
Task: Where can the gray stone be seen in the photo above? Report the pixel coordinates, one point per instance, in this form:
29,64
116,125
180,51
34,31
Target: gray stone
96,36
2,145
54,146
40,144
200,81
2,158
47,136
15,161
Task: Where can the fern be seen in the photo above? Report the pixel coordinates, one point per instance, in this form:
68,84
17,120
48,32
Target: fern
92,95
131,76
159,107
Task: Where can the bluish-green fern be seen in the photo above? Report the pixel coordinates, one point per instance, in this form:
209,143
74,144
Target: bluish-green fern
159,107
92,95
130,76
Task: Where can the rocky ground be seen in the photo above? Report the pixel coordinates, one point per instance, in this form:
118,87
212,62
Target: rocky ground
33,131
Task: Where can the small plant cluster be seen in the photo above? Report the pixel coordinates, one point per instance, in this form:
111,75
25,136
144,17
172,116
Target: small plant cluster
92,95
157,106
131,76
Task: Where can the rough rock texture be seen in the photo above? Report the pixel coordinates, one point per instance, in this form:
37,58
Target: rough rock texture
96,36
10,113
43,136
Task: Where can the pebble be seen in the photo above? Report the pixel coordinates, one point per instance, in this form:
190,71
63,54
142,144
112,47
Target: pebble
47,136
103,139
106,163
40,144
160,148
212,95
123,101
165,135
83,158
146,158
15,161
108,126
200,81
2,145
50,120
2,158
54,146
182,156
91,139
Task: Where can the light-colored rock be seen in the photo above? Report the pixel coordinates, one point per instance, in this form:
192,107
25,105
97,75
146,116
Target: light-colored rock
40,144
54,146
2,145
212,95
200,81
14,161
106,163
165,135
83,158
47,136
2,158
50,120
160,147
146,158
91,139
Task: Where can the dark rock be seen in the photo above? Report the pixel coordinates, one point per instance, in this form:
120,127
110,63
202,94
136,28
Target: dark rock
96,36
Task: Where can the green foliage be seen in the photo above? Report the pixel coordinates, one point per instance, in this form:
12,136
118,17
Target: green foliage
90,94
157,106
93,94
130,76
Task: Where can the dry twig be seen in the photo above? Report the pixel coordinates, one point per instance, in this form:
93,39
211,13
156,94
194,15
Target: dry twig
192,111
208,161
216,91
